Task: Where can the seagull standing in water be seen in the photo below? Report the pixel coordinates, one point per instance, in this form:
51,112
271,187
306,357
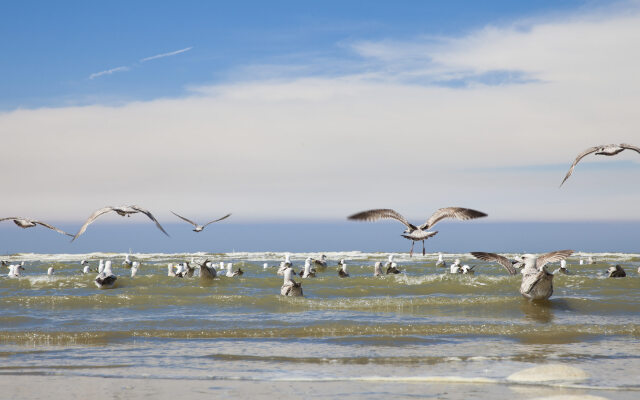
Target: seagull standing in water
14,270
207,272
455,268
230,273
563,268
50,271
468,270
122,211
106,279
127,262
200,228
134,268
289,286
307,272
30,223
321,263
419,233
537,282
604,150
377,269
616,272
441,262
342,271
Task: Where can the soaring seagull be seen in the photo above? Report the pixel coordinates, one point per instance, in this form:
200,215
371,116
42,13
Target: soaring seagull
604,150
537,282
30,223
199,228
123,211
419,233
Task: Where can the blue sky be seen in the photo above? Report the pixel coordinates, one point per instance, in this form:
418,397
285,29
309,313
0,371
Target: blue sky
55,47
306,112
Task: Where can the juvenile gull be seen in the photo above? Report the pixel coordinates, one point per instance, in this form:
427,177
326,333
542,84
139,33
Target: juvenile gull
604,150
419,233
30,223
122,211
207,272
199,228
377,269
289,286
106,279
616,272
392,268
537,282
321,263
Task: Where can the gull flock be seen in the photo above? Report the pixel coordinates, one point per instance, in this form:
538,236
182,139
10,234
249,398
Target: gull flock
536,283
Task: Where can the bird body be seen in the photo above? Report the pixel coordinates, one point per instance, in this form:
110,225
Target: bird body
603,150
289,286
321,263
377,269
106,279
50,271
563,268
616,272
467,270
199,228
455,268
14,270
230,273
122,211
421,232
207,272
342,271
307,272
134,268
440,262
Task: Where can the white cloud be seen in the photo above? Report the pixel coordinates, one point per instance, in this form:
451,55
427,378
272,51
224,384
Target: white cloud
172,53
327,147
108,72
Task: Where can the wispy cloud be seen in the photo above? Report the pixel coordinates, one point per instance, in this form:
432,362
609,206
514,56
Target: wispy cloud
108,72
169,54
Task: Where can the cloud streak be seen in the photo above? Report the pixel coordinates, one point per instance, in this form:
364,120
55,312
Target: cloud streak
169,54
109,72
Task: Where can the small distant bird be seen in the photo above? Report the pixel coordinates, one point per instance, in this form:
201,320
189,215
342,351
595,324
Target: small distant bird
342,271
181,270
563,268
85,266
265,266
441,262
455,268
581,261
14,270
188,269
207,272
321,263
230,273
199,228
50,271
389,262
122,211
604,150
127,262
289,286
134,268
377,269
616,272
537,282
308,272
468,270
419,233
106,279
30,223
170,271
590,260
392,268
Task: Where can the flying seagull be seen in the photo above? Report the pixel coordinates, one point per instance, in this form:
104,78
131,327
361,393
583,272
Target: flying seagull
30,223
419,233
537,282
199,228
123,211
604,150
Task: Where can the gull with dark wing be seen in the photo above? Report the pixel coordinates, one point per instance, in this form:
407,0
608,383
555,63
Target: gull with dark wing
30,223
419,233
537,282
604,150
199,228
206,271
122,211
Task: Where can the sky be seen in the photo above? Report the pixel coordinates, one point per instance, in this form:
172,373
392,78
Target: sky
306,112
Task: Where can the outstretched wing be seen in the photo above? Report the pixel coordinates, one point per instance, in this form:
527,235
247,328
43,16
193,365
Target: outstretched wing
216,220
151,217
452,212
379,213
52,227
184,219
92,218
554,256
630,147
496,258
4,219
580,157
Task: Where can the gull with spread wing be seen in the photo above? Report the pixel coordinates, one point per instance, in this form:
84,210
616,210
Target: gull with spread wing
604,150
30,223
122,211
199,228
419,233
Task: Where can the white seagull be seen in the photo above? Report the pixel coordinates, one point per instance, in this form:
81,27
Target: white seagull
30,223
308,272
50,271
230,273
441,262
604,150
127,262
455,268
122,211
342,271
563,268
106,279
199,228
14,270
289,286
134,268
419,233
468,270
537,282
377,269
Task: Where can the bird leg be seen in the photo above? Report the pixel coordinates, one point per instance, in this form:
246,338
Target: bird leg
411,252
423,247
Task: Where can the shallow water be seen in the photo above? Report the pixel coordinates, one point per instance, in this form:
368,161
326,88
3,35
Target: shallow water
423,325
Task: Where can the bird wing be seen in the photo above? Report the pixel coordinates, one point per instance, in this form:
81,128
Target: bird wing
148,214
52,227
452,212
216,220
374,215
630,147
92,218
554,256
580,157
4,219
497,258
184,219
